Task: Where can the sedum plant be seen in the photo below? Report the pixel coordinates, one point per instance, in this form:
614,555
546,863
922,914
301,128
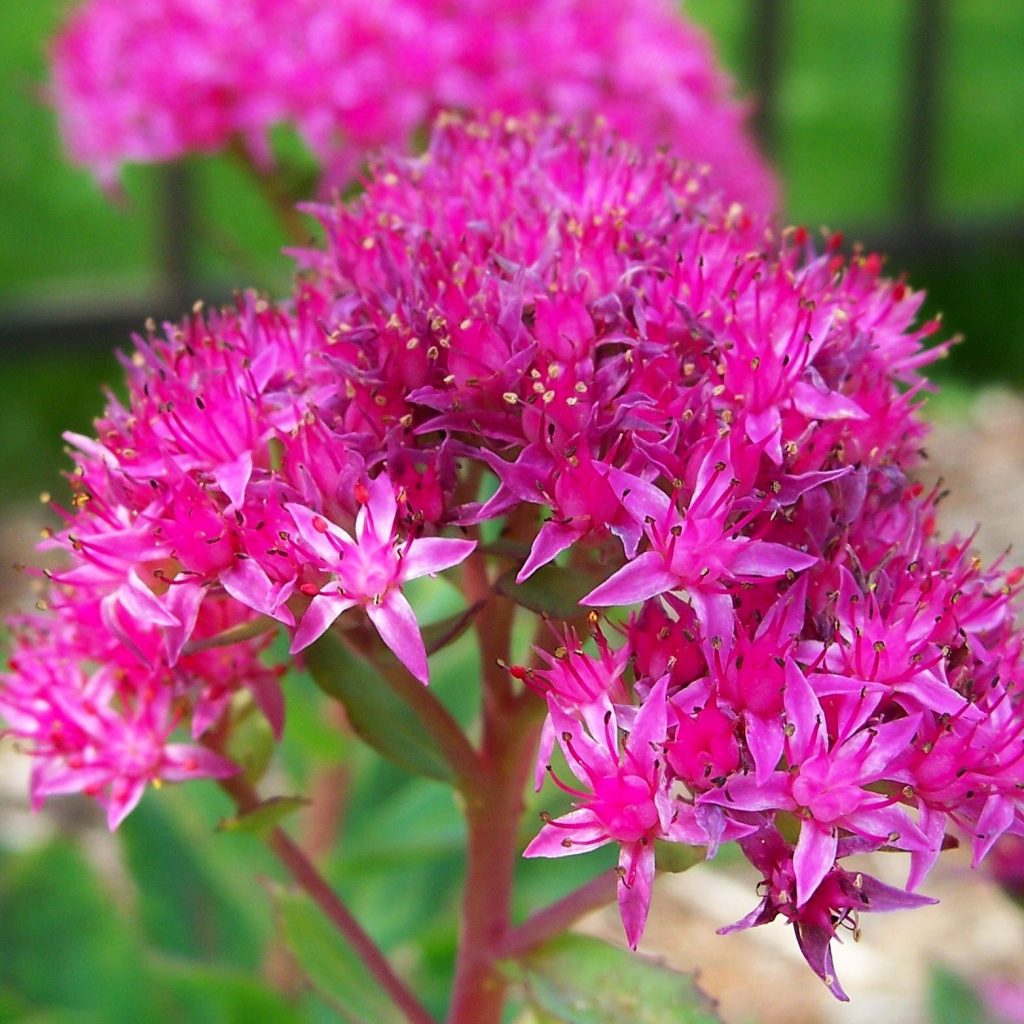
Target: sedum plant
659,447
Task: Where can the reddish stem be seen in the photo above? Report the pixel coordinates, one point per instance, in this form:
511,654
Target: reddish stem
556,918
492,816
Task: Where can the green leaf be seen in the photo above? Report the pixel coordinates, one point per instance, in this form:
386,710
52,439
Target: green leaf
579,980
551,590
207,994
677,857
951,1000
329,962
67,951
195,897
375,711
265,816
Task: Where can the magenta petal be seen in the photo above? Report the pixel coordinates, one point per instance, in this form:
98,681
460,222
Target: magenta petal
765,740
61,779
814,944
119,807
828,405
248,584
433,554
745,793
183,762
765,558
636,880
650,728
803,714
544,749
266,691
318,618
643,578
233,478
396,622
575,832
932,825
640,499
813,858
381,508
552,539
141,603
995,818
184,599
323,542
716,615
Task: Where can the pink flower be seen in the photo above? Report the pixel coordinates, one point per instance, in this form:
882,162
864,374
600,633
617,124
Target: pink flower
623,801
369,570
156,79
698,551
581,356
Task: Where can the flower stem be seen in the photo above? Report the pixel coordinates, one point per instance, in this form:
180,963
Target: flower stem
276,194
510,736
554,919
306,876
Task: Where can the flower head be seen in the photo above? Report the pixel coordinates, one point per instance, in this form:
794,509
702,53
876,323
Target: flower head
157,79
549,340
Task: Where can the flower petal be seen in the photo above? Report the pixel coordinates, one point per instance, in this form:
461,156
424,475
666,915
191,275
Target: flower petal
577,832
318,618
636,879
643,578
433,554
396,622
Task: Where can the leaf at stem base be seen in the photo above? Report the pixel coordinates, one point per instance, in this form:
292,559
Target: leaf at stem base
579,980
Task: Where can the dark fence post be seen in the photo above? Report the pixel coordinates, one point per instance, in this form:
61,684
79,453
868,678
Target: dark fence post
764,46
927,32
176,235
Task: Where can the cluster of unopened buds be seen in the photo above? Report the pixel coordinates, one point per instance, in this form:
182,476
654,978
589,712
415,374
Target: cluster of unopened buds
535,354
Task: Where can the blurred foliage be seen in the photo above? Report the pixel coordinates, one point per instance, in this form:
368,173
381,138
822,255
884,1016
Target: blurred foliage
579,980
951,1000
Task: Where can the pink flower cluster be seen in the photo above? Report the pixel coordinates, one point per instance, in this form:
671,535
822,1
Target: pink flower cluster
154,79
579,345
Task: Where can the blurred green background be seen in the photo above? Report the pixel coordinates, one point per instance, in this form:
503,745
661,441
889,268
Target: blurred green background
175,924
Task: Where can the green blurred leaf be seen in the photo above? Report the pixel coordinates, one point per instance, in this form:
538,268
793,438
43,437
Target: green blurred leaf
195,893
677,857
375,712
579,980
440,634
65,946
205,994
266,815
951,1000
330,964
551,590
